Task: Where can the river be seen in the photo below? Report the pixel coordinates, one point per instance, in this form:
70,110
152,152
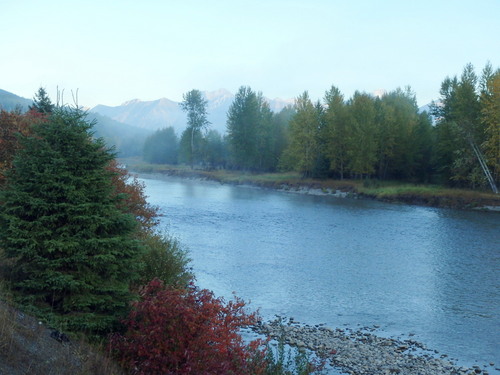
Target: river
426,273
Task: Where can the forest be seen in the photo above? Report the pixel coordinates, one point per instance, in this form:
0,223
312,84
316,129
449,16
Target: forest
456,143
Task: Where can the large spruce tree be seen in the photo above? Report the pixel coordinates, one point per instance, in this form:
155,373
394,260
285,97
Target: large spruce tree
71,249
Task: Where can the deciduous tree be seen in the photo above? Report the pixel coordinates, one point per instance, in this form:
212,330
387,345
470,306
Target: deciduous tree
196,108
302,152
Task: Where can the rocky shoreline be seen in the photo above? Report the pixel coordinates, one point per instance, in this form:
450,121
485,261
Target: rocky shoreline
358,352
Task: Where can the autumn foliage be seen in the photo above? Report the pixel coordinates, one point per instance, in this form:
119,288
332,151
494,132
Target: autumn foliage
175,331
134,200
11,125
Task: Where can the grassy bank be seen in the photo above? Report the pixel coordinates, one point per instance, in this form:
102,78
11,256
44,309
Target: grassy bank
389,191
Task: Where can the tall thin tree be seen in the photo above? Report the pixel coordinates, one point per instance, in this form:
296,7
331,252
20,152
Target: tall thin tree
195,105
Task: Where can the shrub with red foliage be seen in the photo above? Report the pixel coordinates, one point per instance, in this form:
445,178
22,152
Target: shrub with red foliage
174,331
134,201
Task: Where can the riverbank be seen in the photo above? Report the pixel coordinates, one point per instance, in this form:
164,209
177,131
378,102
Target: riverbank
362,352
395,192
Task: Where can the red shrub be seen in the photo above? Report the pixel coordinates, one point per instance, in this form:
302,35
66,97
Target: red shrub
173,331
135,201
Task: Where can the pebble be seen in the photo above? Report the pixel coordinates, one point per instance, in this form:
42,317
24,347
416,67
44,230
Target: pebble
360,352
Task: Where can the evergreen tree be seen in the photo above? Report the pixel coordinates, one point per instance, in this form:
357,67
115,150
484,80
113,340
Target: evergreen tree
243,119
71,248
42,102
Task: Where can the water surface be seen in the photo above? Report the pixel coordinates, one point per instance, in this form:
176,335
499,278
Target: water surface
426,272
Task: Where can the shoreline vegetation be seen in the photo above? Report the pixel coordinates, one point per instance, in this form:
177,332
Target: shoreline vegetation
386,191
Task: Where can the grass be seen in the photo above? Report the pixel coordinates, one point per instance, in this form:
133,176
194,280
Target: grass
27,348
394,191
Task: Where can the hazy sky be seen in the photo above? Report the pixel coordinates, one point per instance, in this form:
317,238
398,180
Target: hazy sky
114,51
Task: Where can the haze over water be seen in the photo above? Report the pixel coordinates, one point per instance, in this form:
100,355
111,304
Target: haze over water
431,273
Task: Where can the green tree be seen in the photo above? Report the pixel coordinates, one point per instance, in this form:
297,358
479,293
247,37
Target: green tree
362,149
336,131
188,155
459,112
196,108
425,148
490,117
162,147
279,136
302,152
42,102
71,247
243,119
214,150
397,120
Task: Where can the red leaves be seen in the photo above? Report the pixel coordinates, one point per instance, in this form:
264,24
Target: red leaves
11,124
174,331
134,201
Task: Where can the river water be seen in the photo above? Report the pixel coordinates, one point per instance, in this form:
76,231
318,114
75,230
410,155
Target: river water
428,274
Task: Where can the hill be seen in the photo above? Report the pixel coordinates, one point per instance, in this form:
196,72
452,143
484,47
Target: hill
127,139
10,101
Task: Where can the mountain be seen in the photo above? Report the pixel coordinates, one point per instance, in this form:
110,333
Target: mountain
127,139
164,112
428,108
10,101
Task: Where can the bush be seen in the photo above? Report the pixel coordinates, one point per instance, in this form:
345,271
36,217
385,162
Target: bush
164,259
187,331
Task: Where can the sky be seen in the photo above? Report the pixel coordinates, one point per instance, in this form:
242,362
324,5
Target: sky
114,51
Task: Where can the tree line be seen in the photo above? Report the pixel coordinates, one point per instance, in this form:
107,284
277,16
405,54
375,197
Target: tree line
361,137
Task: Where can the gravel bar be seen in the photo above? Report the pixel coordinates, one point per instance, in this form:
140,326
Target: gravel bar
359,352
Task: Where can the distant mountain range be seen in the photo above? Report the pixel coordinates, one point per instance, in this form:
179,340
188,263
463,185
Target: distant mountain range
127,139
164,112
10,101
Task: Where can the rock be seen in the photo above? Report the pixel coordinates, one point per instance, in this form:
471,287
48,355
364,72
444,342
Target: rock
360,352
59,336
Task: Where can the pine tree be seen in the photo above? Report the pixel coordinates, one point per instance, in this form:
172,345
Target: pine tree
42,102
243,123
72,249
